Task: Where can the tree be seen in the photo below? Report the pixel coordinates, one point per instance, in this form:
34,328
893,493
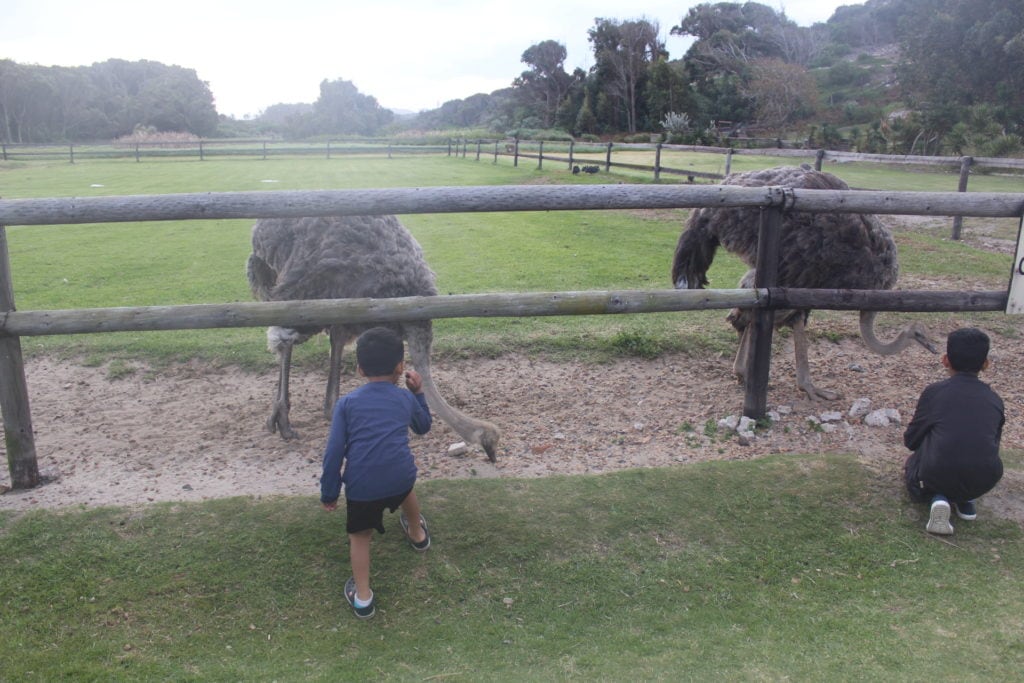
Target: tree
964,54
623,51
342,110
544,87
782,93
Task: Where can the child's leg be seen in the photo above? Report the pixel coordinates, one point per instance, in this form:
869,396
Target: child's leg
411,510
359,552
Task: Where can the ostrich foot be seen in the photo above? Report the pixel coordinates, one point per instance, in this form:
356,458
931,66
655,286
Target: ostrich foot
814,393
278,422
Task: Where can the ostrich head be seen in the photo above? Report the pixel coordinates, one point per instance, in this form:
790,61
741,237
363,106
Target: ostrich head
915,332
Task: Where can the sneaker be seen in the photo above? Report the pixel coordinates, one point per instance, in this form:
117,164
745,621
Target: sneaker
423,545
938,518
350,595
966,510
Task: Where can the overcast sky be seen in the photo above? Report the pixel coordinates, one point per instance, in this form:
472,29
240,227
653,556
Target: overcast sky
409,54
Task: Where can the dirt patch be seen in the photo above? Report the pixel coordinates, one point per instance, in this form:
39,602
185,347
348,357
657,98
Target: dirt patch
196,433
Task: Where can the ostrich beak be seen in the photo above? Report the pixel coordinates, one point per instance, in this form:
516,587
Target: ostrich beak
922,339
491,455
681,283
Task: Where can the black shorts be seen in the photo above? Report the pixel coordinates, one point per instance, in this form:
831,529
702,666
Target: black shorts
369,514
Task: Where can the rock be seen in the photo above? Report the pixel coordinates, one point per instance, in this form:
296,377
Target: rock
459,448
745,424
860,407
879,418
774,416
831,416
784,410
729,423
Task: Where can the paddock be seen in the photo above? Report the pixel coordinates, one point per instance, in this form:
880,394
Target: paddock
773,202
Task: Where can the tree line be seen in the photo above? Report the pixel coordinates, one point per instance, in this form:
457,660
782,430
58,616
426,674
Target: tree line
898,76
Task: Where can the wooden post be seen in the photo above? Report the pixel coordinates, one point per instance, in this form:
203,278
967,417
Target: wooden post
264,150
572,143
201,157
755,403
329,149
3,146
449,146
17,418
71,153
819,158
479,143
496,151
965,172
515,152
540,156
657,162
728,161
608,159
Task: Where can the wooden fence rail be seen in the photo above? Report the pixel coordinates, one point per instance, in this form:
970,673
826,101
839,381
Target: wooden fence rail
772,202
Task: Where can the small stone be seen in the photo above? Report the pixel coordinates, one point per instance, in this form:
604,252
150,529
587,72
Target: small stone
831,416
860,407
459,448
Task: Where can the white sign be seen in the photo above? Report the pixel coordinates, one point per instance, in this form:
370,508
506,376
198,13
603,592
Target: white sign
1015,302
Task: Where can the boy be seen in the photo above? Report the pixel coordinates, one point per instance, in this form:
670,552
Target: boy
370,434
955,435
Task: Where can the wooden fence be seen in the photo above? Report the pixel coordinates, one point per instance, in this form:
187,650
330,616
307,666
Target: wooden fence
764,298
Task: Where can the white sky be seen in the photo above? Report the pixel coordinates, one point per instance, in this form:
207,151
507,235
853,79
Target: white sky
409,54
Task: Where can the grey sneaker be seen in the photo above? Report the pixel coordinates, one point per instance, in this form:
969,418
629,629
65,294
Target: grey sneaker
350,595
938,517
423,545
966,510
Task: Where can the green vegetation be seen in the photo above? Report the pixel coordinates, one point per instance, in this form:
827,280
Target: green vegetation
143,264
795,567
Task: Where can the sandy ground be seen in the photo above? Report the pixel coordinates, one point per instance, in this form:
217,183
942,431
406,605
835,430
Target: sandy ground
196,433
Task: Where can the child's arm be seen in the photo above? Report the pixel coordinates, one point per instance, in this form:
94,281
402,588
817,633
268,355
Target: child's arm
921,423
334,455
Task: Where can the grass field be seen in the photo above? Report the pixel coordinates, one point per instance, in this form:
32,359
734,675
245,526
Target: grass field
799,568
793,567
137,264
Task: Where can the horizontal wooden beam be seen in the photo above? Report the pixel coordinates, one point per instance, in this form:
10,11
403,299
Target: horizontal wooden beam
283,204
323,312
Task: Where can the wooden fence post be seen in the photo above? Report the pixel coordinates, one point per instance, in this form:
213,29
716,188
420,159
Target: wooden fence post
759,358
496,151
608,159
3,146
478,144
657,162
264,150
515,152
819,157
540,156
137,157
71,153
17,418
965,172
572,144
728,161
201,156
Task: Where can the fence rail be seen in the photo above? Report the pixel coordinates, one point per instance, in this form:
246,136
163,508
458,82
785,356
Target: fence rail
766,296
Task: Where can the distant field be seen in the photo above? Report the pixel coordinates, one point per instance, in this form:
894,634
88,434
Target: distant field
136,264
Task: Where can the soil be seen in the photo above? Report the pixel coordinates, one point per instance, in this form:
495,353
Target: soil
195,432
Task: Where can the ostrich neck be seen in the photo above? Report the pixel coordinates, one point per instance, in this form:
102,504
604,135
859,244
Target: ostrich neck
467,427
867,331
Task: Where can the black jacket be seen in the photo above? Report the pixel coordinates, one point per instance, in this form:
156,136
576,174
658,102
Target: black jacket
956,431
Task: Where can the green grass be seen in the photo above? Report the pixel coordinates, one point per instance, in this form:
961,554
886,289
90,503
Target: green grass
142,264
787,568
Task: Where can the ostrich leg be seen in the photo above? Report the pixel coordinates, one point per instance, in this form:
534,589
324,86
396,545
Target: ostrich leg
739,365
803,370
338,341
278,420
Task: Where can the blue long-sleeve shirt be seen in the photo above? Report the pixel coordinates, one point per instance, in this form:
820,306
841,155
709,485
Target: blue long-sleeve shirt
370,436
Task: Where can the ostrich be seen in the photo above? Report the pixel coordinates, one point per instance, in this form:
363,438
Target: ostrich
342,257
816,250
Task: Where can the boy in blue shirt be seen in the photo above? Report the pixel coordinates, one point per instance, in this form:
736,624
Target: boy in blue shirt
955,435
370,436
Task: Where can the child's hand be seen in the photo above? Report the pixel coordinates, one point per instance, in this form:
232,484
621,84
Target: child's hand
413,381
330,507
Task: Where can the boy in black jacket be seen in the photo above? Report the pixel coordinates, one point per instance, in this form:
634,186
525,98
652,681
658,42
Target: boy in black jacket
955,435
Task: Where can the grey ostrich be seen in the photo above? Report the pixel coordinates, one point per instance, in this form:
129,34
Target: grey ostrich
342,258
816,251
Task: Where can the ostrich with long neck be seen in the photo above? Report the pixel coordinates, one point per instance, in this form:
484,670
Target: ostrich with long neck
816,251
347,257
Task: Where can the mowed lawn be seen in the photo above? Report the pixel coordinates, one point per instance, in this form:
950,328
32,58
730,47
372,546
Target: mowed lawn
795,567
